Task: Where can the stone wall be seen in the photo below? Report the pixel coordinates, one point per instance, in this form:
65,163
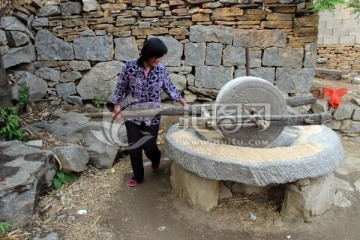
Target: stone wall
339,40
77,48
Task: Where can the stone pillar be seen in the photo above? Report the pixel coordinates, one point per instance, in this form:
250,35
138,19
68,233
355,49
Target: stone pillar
307,198
200,193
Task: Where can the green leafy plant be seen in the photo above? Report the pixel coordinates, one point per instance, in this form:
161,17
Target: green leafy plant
326,5
23,97
97,103
355,5
4,227
62,177
330,5
10,122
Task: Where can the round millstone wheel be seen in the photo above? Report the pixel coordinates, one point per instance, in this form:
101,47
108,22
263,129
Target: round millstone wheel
246,96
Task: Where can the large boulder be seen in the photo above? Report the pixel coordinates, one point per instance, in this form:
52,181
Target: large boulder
37,86
25,172
101,139
73,158
99,82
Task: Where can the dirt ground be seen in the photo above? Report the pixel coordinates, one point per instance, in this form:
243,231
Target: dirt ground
152,211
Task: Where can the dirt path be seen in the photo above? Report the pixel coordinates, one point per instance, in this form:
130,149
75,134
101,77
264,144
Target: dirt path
153,212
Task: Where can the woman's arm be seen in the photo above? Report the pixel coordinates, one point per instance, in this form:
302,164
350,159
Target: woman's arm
121,86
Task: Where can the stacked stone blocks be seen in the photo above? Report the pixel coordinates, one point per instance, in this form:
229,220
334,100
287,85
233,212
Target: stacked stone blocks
339,40
65,43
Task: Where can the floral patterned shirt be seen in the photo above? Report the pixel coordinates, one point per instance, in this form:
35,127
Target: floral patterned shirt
135,91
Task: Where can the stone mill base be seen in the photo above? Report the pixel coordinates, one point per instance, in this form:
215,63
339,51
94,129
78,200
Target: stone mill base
304,199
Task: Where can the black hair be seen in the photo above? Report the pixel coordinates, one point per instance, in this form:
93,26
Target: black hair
153,47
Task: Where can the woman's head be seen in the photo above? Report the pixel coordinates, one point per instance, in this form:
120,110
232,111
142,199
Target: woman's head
153,49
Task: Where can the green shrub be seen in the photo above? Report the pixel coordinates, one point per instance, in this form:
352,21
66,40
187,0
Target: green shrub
10,122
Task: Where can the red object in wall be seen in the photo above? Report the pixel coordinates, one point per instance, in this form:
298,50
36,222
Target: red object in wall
335,95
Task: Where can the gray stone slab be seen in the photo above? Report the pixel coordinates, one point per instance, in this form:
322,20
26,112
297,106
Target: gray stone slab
85,49
212,77
264,172
51,48
48,74
310,55
40,22
15,56
234,56
344,111
70,8
283,57
17,38
259,38
74,100
194,54
290,80
70,76
79,65
214,54
48,11
218,34
12,24
126,49
308,198
66,89
350,127
25,173
266,73
3,39
90,5
199,192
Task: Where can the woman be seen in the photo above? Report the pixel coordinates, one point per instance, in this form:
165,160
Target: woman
139,87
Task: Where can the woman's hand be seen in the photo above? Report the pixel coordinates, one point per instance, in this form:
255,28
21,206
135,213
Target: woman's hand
183,102
116,115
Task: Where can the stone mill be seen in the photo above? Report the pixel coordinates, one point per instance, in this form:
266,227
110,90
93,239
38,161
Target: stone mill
247,137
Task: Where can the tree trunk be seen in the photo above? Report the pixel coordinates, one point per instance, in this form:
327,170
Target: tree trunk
5,90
